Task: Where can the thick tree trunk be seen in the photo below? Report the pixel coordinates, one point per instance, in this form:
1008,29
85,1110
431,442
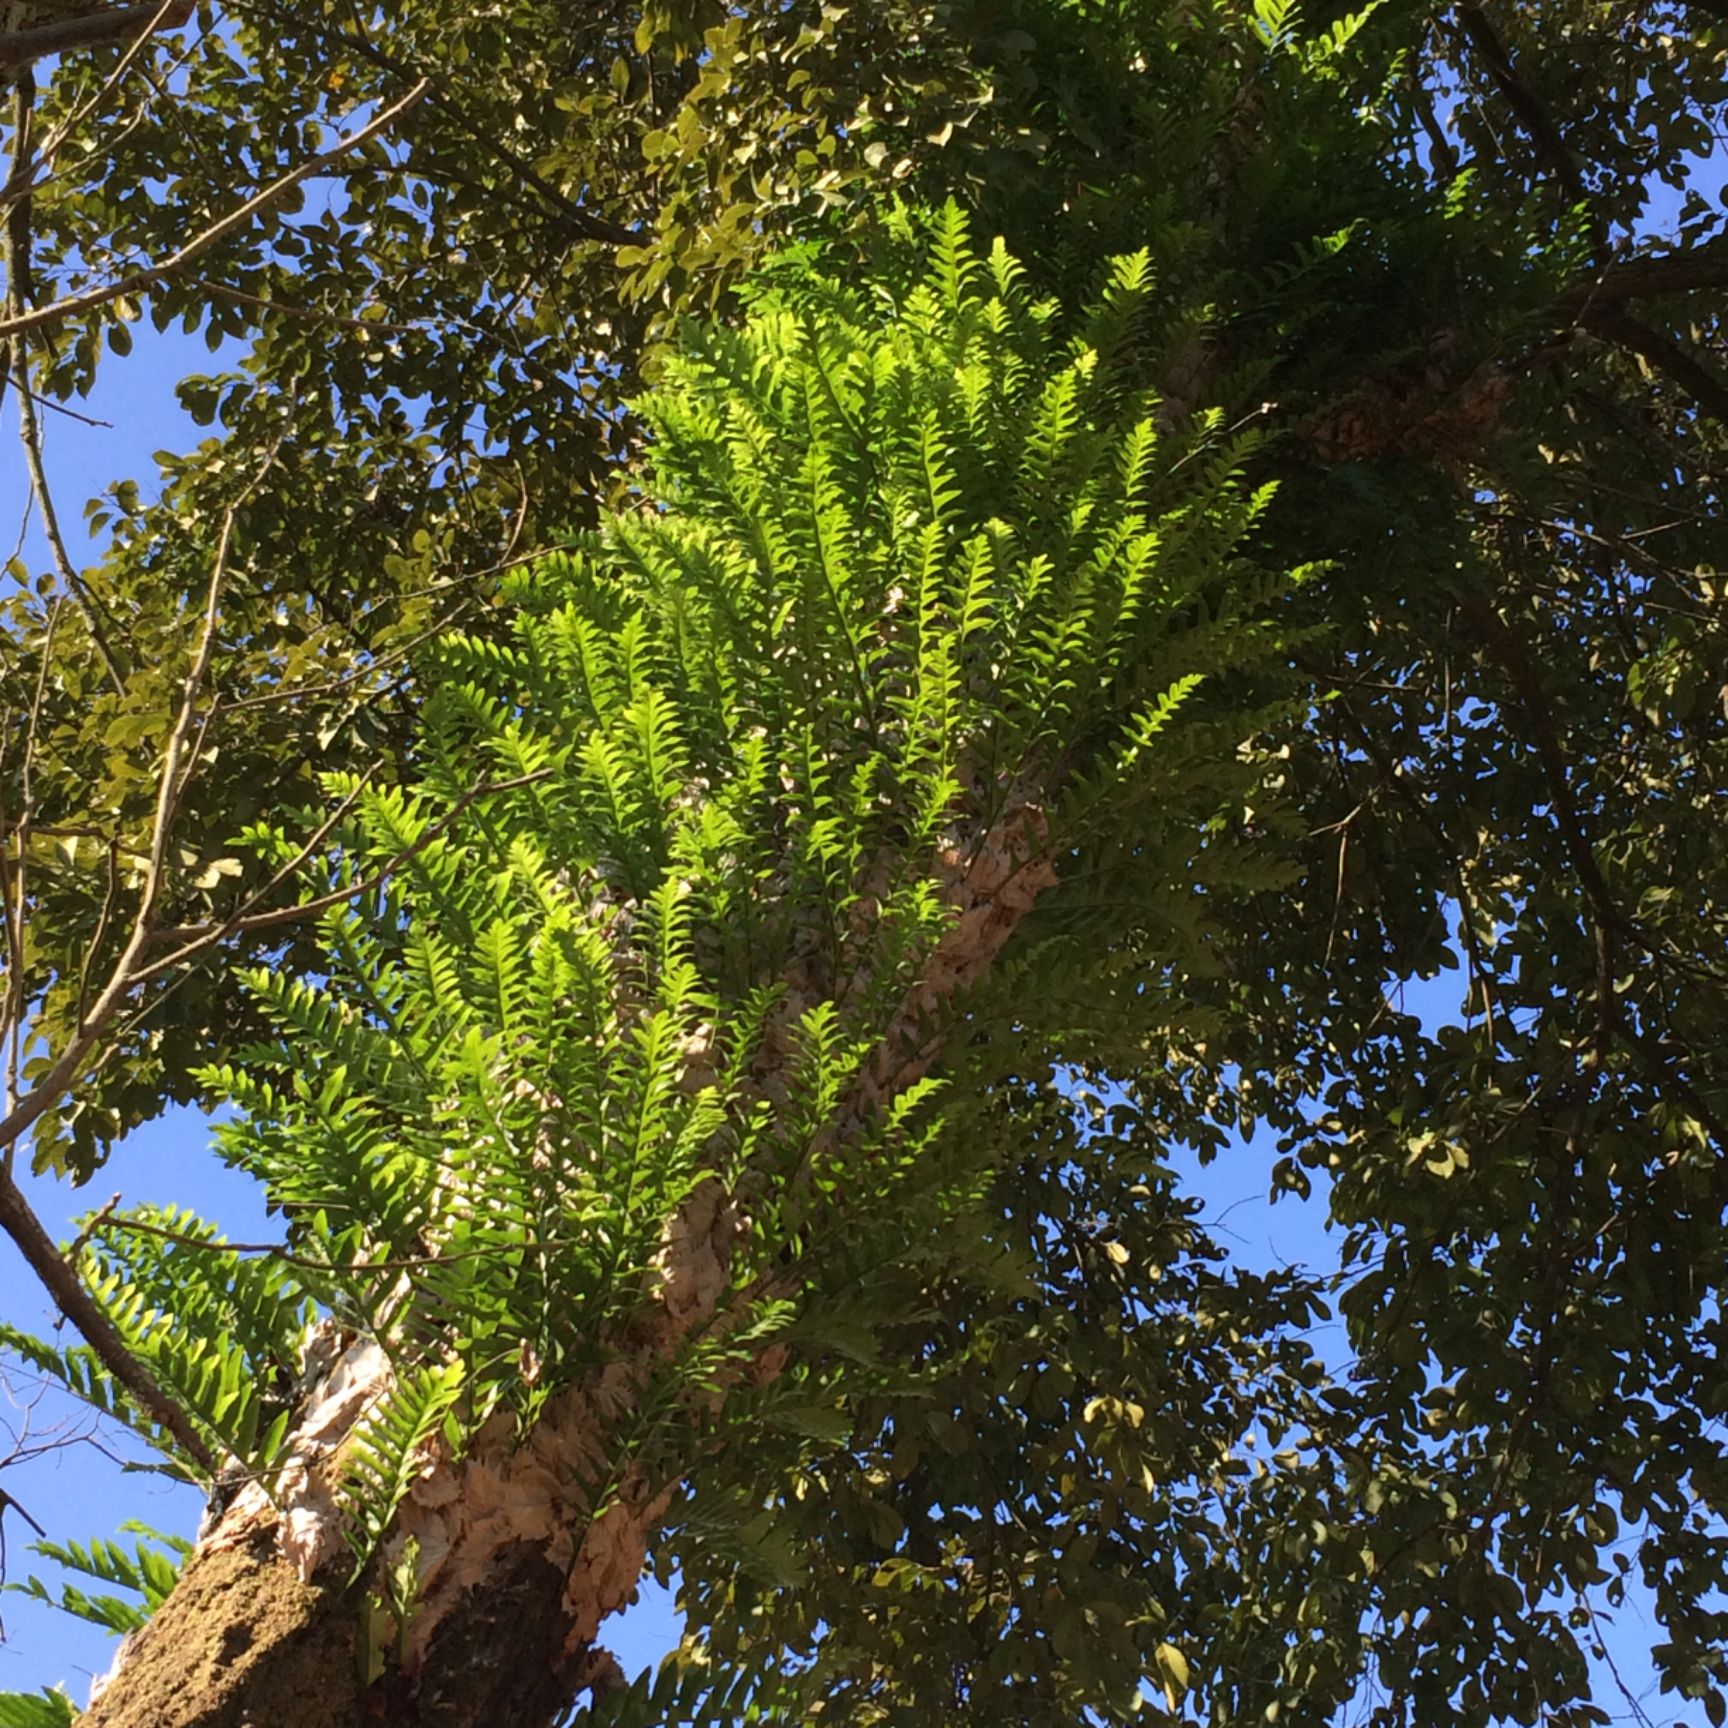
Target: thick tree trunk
514,1571
244,1641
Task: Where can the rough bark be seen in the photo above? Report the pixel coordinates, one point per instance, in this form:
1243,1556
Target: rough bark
524,1545
31,32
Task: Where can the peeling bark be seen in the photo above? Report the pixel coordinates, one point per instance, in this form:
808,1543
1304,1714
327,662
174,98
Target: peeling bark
522,1547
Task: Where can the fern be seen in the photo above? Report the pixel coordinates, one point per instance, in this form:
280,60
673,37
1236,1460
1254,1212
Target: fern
148,1572
908,562
386,1449
44,1709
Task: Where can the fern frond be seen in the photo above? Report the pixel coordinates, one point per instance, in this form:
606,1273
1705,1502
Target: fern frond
386,1452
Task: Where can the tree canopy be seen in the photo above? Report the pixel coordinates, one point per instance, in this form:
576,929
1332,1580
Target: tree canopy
724,764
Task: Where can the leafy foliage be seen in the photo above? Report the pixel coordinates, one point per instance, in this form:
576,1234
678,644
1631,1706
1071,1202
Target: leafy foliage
147,1572
914,569
44,1709
421,367
1409,245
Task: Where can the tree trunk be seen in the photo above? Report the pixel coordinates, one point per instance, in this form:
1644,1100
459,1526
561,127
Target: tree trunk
513,1572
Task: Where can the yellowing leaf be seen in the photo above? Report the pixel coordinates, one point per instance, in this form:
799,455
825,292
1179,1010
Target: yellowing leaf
1173,1671
214,871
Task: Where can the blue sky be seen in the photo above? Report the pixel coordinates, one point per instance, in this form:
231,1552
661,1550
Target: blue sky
76,1490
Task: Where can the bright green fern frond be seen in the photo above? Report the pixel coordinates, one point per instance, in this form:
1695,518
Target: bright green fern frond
77,1369
49,1708
1127,294
386,1452
148,1572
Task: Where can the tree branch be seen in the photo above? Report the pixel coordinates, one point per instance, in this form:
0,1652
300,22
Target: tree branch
12,1025
62,1282
1609,917
1664,354
139,280
50,147
1551,148
1440,149
1676,272
30,435
17,1219
587,223
63,1071
93,30
14,197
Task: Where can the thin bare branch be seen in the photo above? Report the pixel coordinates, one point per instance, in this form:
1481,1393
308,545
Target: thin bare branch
1440,148
197,937
89,608
17,205
60,408
19,243
17,1218
93,949
15,984
9,1503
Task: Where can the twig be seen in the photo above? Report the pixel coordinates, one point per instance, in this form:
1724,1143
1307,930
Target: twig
30,434
61,409
586,223
9,1503
17,229
25,1112
139,280
92,1224
200,936
1530,114
1480,975
110,898
19,243
396,656
14,1024
370,326
50,147
17,1218
1440,149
